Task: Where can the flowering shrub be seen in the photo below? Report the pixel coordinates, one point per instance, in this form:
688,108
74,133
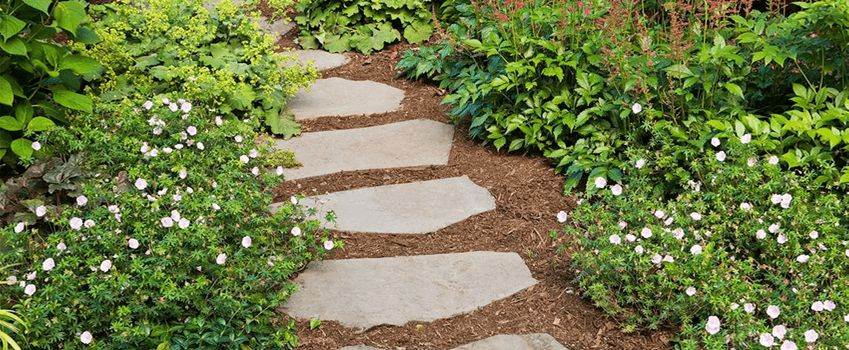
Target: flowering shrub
746,256
169,245
219,57
39,79
362,25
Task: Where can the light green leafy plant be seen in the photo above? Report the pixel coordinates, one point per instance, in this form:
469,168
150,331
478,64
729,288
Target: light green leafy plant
362,25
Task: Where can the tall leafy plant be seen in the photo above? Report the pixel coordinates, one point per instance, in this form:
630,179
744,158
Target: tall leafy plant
40,78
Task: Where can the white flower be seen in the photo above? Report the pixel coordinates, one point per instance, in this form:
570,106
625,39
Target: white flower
660,214
200,146
88,223
114,209
746,138
622,225
562,216
779,331
186,107
637,108
639,249
247,241
86,338
36,146
183,223
656,258
668,221
328,245
713,325
616,189
76,223
31,276
141,184
668,258
715,142
774,227
640,163
749,307
773,311
29,289
238,138
166,100
221,259
746,206
775,198
846,318
215,206
773,160
720,156
255,171
61,246
752,162
817,306
789,345
761,234
630,238
695,216
678,233
782,238
691,291
192,130
20,226
48,264
279,170
646,232
166,222
106,265
766,340
696,249
296,231
785,200
811,336
133,243
147,105
814,234
173,107
294,201
244,159
40,211
600,182
802,258
829,305
253,153
615,239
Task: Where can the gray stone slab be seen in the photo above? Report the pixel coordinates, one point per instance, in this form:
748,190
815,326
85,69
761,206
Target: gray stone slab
364,293
277,28
337,97
410,208
320,59
537,341
417,142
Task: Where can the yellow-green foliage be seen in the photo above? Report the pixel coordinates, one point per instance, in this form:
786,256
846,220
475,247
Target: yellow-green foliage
282,158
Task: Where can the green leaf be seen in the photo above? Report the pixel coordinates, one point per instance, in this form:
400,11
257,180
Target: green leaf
6,94
418,32
679,71
282,125
23,148
40,124
73,100
69,15
735,89
10,124
14,46
41,5
10,25
85,66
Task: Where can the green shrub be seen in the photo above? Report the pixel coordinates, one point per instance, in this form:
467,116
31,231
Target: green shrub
40,78
169,244
219,58
743,236
362,25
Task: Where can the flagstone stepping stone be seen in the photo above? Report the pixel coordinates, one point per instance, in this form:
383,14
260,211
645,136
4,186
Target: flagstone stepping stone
537,341
363,293
417,142
321,60
410,208
337,97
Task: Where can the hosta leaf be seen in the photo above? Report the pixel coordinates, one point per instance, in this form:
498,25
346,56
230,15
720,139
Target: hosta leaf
69,15
73,100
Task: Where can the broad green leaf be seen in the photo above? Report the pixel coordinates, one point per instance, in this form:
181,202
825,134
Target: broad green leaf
23,148
6,94
735,89
40,124
418,32
14,46
73,100
41,5
69,15
85,66
10,124
10,25
679,71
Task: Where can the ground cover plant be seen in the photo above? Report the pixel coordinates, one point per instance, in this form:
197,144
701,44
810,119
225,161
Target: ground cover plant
689,125
362,25
151,229
40,79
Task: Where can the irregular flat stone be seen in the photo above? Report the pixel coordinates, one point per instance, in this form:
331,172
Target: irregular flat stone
410,143
277,28
537,341
337,97
320,59
364,293
410,208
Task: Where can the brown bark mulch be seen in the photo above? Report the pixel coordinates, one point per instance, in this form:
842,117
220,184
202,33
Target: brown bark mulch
528,195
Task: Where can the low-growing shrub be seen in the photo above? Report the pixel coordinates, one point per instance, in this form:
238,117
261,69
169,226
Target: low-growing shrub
219,58
747,255
169,244
40,79
362,25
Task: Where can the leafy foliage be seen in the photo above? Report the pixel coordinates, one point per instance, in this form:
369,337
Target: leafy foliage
362,25
40,80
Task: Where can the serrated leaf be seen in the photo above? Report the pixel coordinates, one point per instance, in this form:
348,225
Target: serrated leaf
418,31
73,100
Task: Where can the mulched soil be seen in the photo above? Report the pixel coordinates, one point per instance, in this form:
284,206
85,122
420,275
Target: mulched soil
528,195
